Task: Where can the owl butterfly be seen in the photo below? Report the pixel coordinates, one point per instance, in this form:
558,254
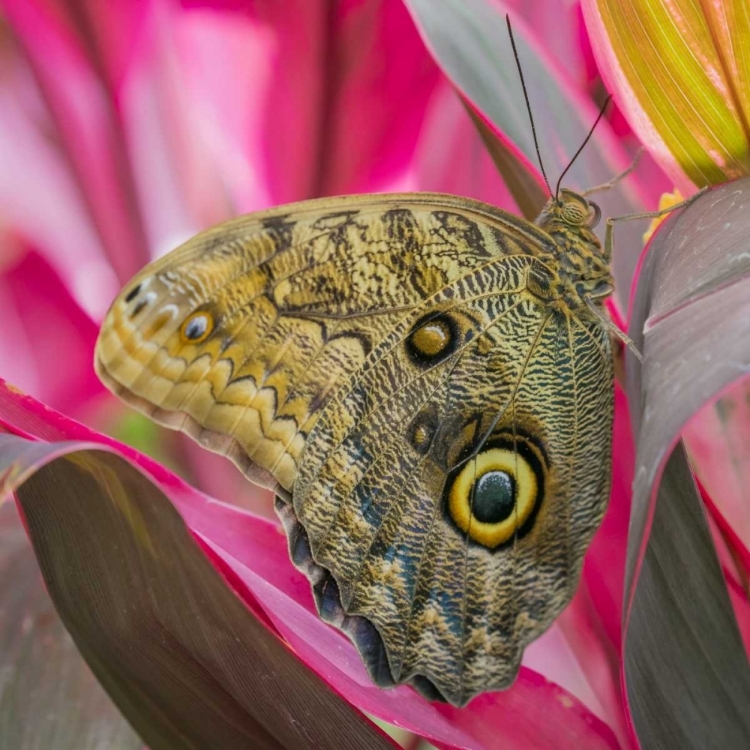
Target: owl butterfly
425,383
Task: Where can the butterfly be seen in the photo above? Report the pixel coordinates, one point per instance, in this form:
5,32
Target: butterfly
426,383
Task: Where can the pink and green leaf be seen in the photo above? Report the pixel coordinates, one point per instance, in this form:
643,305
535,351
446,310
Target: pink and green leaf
689,318
75,485
718,444
170,641
680,71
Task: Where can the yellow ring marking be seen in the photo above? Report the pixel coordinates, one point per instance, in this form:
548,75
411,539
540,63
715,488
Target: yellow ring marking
527,493
197,319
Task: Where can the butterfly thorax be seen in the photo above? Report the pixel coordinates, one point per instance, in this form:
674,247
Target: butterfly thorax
578,258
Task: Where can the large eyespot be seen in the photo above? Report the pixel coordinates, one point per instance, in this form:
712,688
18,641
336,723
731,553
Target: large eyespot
197,327
432,339
496,495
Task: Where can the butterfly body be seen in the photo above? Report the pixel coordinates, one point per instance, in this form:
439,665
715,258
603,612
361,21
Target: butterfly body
424,382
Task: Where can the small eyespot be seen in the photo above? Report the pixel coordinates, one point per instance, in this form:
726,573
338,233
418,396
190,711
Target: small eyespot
423,429
146,300
433,338
133,293
197,327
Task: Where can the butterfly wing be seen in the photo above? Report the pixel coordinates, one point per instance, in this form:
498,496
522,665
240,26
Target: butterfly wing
240,336
444,430
404,493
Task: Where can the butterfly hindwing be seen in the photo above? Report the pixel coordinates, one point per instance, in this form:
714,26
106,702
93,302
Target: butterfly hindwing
388,475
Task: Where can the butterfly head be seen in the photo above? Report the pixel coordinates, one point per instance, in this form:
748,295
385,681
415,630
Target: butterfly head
569,219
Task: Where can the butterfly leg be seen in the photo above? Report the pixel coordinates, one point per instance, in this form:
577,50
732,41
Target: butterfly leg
609,237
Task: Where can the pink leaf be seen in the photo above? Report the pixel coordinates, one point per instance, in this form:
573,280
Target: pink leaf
254,550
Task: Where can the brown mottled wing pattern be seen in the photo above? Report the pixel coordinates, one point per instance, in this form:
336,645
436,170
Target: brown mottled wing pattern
386,361
373,500
297,298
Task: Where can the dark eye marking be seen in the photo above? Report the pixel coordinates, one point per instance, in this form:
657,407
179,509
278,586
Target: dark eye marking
494,496
133,293
432,339
197,327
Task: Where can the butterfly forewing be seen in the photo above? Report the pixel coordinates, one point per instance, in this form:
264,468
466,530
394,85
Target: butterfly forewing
405,369
292,301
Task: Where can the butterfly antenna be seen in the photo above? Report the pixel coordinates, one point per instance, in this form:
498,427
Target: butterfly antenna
528,104
581,147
